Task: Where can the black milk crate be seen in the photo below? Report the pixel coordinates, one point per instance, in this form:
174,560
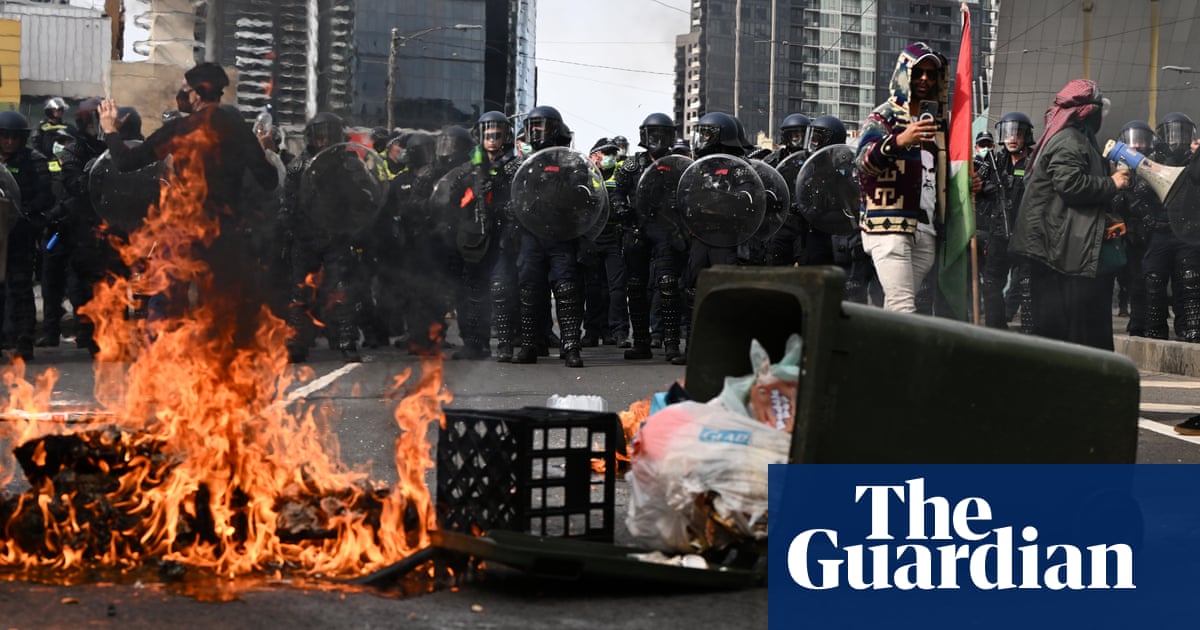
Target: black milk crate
529,471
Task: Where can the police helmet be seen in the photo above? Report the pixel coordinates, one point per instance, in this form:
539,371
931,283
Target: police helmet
379,139
656,133
55,103
13,121
1138,135
323,130
1177,131
131,123
544,127
792,131
87,118
1015,126
420,149
745,143
494,122
714,131
454,146
622,145
824,131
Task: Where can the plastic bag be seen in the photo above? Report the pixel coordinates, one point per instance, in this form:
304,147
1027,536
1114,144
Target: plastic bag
698,478
769,394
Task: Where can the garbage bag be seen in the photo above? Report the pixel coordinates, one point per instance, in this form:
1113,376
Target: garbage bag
698,478
769,394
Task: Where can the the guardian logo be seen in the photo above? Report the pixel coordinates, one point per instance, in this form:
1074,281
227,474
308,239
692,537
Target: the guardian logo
958,549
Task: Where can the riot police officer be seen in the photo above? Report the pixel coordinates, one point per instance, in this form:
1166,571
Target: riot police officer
31,171
314,250
1002,173
543,260
1168,258
44,136
650,245
76,245
416,262
487,241
1139,207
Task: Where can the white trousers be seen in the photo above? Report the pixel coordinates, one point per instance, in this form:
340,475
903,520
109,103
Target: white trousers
901,263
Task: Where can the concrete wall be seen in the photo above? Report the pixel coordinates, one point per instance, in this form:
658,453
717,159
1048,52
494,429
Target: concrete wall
151,87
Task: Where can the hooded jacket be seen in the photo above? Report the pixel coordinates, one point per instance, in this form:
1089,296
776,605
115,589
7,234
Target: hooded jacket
890,175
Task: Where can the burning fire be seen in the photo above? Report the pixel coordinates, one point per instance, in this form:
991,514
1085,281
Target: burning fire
204,462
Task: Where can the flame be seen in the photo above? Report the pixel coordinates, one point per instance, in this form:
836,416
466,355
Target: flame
204,462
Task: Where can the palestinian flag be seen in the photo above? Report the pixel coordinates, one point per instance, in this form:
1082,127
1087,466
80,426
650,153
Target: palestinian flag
954,272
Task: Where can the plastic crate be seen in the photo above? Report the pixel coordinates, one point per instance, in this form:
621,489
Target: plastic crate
528,471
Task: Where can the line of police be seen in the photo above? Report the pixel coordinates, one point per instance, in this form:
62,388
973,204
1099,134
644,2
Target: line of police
379,280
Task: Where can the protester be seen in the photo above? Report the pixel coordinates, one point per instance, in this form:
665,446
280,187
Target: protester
1061,226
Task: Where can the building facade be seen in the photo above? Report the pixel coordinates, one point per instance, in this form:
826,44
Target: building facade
765,59
454,60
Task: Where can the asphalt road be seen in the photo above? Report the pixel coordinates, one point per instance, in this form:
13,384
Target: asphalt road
503,599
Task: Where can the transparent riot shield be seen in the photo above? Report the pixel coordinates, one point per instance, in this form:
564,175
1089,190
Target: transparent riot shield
343,188
558,195
778,195
122,199
789,167
722,200
827,192
655,195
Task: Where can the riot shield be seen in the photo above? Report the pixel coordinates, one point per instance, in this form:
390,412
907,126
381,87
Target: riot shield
778,199
558,195
789,167
827,191
343,188
123,198
10,208
655,195
722,200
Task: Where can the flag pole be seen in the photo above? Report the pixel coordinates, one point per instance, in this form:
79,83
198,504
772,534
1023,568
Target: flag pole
964,15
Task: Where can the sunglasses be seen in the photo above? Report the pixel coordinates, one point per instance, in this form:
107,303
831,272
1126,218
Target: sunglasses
924,73
493,136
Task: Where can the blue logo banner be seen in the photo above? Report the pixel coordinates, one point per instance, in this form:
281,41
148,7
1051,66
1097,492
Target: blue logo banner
984,546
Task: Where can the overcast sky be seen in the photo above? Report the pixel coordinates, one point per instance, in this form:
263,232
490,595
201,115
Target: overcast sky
596,92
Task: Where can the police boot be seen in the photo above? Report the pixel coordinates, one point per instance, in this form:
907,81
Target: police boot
639,320
530,330
570,319
672,303
505,312
1190,299
1156,306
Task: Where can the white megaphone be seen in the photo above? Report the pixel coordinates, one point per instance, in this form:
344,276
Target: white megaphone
1160,178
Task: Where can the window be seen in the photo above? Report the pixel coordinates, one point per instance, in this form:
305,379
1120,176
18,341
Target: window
851,58
849,95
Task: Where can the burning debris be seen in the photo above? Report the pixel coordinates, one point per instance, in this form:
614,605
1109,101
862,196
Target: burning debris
205,463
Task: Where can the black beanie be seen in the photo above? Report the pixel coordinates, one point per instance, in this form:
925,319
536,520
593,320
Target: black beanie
208,79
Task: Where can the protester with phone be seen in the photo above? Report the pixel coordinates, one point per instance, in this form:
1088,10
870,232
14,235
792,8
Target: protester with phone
897,163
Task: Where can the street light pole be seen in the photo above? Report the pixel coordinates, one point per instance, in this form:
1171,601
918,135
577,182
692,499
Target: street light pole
399,41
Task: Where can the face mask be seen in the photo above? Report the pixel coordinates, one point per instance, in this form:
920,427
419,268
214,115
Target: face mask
58,150
608,162
983,152
526,148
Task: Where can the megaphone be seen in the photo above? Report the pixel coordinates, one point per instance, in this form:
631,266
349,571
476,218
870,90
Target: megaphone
1177,192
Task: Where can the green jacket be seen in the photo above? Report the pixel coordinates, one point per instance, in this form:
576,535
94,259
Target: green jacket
1063,213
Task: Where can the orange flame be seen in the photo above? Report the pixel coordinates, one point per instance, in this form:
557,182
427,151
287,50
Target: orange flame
217,472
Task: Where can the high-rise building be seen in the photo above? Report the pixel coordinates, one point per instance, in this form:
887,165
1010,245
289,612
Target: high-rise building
454,59
765,59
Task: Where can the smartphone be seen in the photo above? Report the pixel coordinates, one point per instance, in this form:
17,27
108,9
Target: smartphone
929,110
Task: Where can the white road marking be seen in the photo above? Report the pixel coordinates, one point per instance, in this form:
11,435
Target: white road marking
320,383
1168,408
1172,384
1161,429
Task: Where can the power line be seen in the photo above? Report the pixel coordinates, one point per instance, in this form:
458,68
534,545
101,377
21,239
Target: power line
624,85
1043,21
660,2
593,65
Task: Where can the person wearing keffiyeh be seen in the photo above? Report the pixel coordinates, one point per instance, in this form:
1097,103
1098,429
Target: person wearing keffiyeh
1062,221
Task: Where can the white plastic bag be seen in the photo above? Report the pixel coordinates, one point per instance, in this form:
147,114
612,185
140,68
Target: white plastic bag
769,392
698,477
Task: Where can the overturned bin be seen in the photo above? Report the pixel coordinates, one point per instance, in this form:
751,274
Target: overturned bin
883,387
